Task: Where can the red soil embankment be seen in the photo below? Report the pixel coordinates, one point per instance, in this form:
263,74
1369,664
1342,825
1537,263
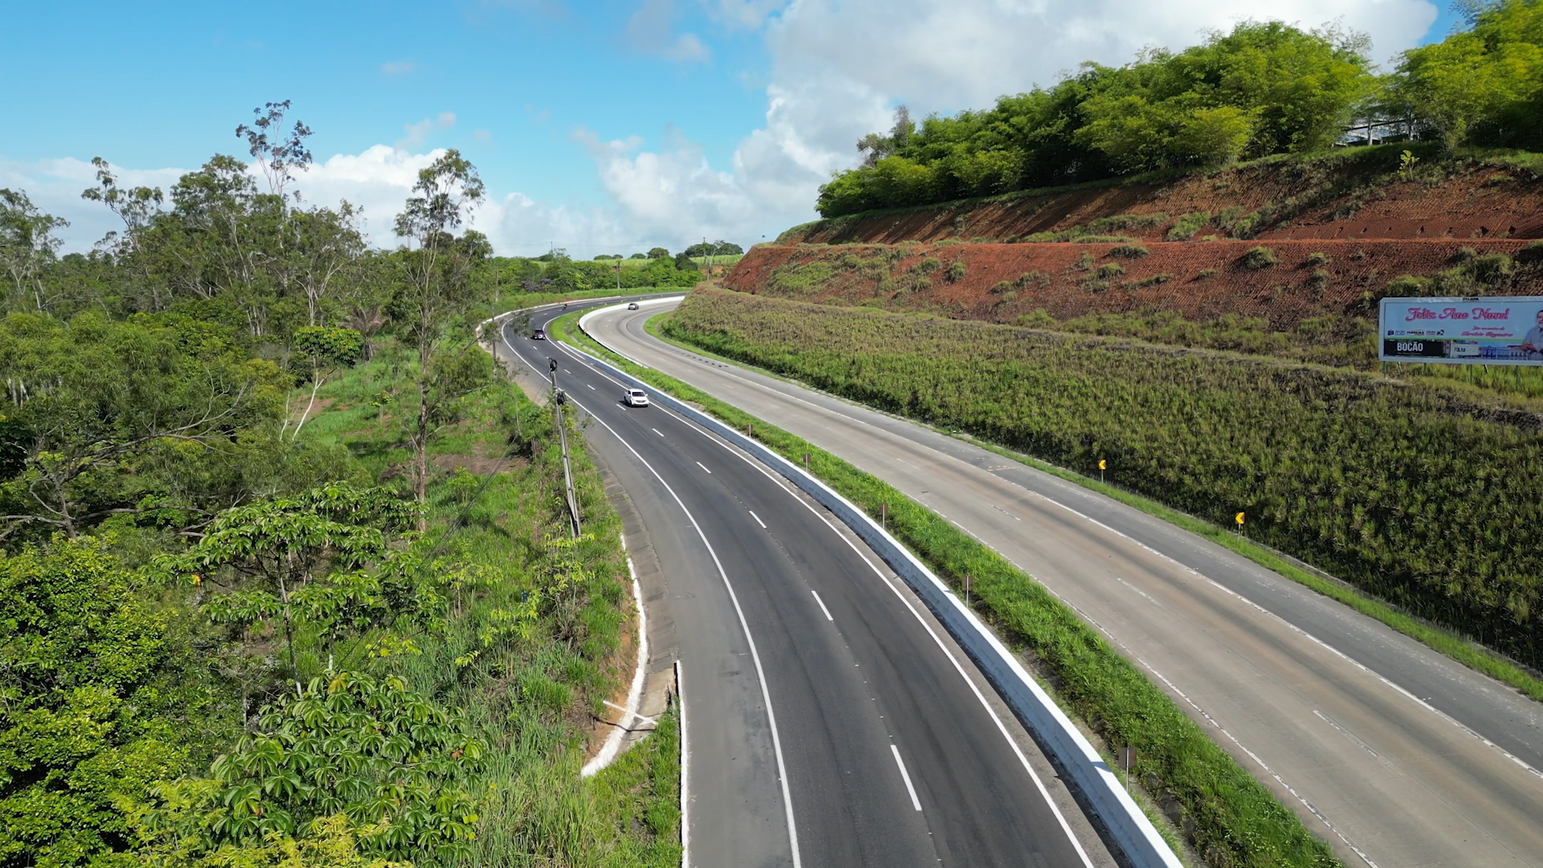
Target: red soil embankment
1286,201
1200,281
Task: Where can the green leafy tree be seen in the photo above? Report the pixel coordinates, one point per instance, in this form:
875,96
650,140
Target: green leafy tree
100,697
112,417
436,290
348,745
325,351
658,253
1480,86
325,560
27,244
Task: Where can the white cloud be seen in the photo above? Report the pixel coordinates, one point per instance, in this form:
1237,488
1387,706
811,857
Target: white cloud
400,67
840,66
418,133
55,187
650,31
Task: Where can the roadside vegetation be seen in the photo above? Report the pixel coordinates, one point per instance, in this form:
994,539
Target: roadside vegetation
1412,492
1223,813
285,575
1211,105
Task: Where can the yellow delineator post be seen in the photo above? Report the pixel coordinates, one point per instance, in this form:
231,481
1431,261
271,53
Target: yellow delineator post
1239,519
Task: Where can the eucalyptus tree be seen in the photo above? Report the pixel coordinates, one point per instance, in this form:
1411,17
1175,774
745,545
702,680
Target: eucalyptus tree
27,244
436,289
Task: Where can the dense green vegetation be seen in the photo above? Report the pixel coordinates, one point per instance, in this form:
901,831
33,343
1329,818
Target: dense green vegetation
1261,90
1410,491
1225,814
285,574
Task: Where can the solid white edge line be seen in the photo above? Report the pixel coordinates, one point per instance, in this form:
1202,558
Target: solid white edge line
822,604
905,776
656,431
703,466
1001,727
613,741
782,772
685,770
757,519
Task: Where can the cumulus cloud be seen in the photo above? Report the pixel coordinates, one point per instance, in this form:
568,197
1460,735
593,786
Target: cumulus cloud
55,187
840,66
650,30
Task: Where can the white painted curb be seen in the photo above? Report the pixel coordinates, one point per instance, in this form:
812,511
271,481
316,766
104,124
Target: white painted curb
1132,832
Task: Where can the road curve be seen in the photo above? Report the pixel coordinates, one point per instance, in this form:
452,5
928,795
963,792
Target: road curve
827,724
1395,754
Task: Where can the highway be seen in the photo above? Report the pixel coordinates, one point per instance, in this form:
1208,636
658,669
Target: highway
1393,753
830,722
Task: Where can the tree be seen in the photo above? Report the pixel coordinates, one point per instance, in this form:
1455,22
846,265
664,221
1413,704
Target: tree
279,155
436,289
325,559
352,744
27,244
638,256
99,701
683,262
325,350
658,253
113,414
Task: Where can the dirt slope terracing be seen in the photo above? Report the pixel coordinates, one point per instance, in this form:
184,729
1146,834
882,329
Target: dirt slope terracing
1356,195
1200,281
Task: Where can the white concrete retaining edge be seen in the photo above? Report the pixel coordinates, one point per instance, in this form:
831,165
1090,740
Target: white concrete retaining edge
1132,832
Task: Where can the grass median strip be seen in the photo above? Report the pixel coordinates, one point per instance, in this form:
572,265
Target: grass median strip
1228,817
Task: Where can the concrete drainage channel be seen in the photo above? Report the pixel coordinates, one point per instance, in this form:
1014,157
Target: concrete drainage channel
1130,830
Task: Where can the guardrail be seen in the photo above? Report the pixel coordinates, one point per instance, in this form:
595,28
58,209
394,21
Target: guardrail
1129,828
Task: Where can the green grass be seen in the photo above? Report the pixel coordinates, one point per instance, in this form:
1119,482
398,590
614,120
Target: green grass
496,509
1230,817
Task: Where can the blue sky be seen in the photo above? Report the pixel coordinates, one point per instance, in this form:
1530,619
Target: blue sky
597,125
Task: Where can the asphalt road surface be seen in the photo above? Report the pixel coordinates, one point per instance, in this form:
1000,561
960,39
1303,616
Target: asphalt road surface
829,721
1393,753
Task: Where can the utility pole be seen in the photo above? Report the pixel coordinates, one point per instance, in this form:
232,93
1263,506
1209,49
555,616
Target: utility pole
562,436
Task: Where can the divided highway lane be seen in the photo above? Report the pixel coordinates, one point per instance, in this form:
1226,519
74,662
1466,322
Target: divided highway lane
1395,754
891,756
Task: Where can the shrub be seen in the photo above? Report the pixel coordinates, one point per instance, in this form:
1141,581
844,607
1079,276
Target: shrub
928,265
1001,287
1154,280
1318,259
1257,258
1205,274
1110,269
956,271
1029,277
1531,253
1128,221
1009,296
1319,281
1128,251
1491,269
1085,262
1464,254
1039,319
1186,226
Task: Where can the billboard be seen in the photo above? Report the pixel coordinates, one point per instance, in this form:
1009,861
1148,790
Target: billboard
1462,331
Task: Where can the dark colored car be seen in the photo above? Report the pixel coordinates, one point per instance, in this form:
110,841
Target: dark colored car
632,306
538,335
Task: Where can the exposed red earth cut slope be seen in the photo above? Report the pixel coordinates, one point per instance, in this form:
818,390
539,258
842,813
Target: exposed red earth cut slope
1291,200
1200,281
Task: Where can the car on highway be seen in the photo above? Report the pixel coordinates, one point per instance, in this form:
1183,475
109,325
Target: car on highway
632,306
538,335
635,398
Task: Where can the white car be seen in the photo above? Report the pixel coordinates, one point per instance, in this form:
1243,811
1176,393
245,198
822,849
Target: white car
635,398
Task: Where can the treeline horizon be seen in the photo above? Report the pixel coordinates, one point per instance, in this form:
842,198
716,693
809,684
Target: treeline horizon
1264,89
